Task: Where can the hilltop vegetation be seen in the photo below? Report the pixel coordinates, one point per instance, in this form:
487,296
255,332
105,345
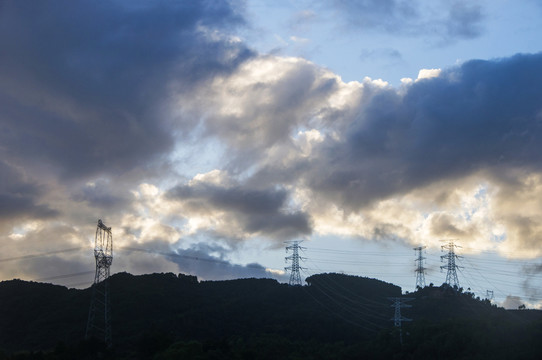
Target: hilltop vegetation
164,316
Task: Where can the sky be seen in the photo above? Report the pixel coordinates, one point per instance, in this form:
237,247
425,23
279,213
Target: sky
207,134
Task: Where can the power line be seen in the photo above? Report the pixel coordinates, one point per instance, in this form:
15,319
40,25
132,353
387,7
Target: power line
487,280
32,256
353,309
189,257
353,252
365,300
353,262
358,300
336,313
64,276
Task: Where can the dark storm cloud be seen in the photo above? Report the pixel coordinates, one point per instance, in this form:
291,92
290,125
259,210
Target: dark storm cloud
20,196
257,211
83,85
447,20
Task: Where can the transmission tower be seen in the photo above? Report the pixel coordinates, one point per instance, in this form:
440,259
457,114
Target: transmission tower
490,295
99,316
451,274
398,303
420,270
295,277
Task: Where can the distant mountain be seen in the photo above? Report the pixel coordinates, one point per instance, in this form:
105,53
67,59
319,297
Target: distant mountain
336,316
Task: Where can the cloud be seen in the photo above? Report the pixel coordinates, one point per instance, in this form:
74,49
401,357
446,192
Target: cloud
451,155
377,14
447,20
512,302
206,260
380,53
43,248
20,196
91,101
209,263
267,98
481,116
428,73
442,153
100,195
237,211
259,112
529,283
516,209
436,158
86,120
464,20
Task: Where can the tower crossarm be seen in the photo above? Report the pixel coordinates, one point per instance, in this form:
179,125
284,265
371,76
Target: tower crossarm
292,256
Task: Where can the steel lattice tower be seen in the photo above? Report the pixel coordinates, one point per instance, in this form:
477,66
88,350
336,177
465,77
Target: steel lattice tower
420,270
295,276
451,274
490,295
398,303
99,317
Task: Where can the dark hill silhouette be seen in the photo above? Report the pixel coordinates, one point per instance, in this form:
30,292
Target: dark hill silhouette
168,316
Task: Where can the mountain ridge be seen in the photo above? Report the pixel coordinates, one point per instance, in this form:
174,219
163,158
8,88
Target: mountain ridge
163,314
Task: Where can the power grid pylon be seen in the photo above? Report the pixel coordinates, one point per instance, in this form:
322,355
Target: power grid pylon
420,270
99,316
295,276
451,266
398,303
490,295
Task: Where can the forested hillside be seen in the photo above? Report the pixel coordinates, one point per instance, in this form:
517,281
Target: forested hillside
165,316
